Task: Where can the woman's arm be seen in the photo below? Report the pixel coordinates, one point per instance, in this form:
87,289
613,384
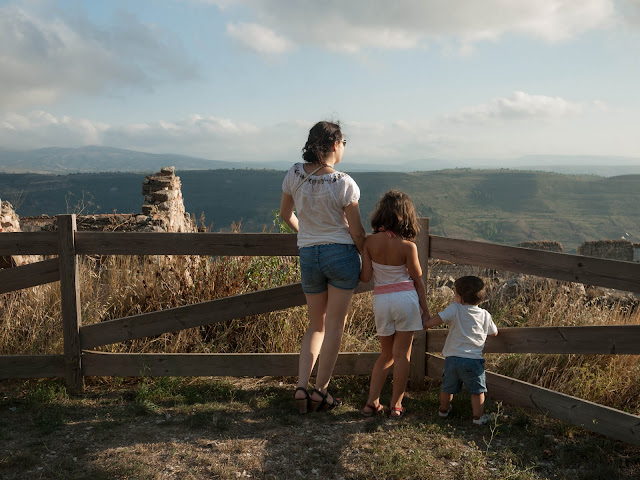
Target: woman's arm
415,272
356,229
286,211
367,268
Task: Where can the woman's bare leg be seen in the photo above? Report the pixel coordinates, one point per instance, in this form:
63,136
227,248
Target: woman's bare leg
338,303
313,338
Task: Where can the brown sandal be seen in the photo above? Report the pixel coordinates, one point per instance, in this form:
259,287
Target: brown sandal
303,403
319,406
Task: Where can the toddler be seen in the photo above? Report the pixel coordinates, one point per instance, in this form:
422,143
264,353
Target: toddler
469,326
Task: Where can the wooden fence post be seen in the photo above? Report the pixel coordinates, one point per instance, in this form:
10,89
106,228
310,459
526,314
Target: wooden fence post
418,366
70,298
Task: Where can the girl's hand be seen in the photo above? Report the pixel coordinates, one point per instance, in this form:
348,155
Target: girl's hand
425,320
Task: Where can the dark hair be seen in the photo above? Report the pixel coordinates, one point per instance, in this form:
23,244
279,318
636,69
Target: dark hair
470,289
322,137
395,213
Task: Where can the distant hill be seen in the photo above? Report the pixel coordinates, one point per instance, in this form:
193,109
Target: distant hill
502,206
104,159
95,159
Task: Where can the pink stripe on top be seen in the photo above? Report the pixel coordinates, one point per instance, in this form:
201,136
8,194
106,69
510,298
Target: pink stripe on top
393,287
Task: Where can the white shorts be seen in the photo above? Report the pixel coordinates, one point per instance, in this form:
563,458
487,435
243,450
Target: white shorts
397,312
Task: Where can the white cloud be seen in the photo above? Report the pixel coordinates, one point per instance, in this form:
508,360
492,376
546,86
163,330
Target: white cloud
611,132
207,136
521,105
403,24
258,38
46,56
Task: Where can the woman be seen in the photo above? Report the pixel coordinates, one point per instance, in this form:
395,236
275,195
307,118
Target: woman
330,237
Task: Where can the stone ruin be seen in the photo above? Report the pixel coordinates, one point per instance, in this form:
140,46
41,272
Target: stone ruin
546,245
611,249
162,211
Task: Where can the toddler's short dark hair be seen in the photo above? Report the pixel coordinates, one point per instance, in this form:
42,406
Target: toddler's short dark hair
470,288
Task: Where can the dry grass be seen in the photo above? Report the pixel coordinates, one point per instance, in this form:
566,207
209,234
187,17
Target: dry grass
115,287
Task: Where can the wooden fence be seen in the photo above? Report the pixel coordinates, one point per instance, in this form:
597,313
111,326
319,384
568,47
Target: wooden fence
79,360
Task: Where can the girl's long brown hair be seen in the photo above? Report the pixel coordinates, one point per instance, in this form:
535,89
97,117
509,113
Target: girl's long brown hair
395,213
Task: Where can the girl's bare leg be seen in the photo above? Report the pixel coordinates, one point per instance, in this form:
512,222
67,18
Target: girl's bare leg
381,370
401,359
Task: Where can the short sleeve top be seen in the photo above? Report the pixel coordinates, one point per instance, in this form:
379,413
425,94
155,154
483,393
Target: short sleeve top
320,203
469,326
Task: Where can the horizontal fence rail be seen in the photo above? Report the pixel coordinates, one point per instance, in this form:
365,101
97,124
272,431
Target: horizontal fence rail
29,275
28,243
212,364
605,339
31,366
196,315
591,416
560,266
247,244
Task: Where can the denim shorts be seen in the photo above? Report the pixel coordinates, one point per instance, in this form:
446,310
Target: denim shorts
459,370
334,264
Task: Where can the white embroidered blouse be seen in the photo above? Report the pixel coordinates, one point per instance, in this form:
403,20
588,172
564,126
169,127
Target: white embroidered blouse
319,204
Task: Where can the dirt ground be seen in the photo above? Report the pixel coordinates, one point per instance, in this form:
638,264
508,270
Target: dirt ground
248,428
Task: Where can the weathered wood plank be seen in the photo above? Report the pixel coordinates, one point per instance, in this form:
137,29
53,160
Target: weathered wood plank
139,243
70,299
588,415
213,364
417,367
560,266
205,313
31,366
28,243
603,339
29,275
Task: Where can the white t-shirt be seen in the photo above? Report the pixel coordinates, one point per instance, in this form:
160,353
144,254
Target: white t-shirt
469,326
320,203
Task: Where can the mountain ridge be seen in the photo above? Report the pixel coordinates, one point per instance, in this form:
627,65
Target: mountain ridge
96,159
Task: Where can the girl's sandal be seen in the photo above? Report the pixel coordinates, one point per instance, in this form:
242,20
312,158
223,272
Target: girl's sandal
321,405
399,413
370,410
303,403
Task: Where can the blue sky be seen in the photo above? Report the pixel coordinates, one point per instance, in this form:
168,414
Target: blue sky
244,80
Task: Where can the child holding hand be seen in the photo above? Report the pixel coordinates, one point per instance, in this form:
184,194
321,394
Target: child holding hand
469,326
391,257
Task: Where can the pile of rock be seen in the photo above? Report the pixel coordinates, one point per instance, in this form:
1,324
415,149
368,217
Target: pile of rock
163,202
9,221
611,249
546,245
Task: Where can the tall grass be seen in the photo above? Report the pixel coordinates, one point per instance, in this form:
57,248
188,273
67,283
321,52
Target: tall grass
121,286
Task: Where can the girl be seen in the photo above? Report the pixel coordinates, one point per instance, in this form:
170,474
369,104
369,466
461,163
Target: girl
391,257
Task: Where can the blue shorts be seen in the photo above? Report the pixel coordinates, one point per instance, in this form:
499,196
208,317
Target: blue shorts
459,370
334,264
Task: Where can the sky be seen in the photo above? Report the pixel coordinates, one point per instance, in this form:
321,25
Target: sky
244,80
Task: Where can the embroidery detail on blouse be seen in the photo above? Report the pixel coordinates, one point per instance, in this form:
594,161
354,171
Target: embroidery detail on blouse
333,178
